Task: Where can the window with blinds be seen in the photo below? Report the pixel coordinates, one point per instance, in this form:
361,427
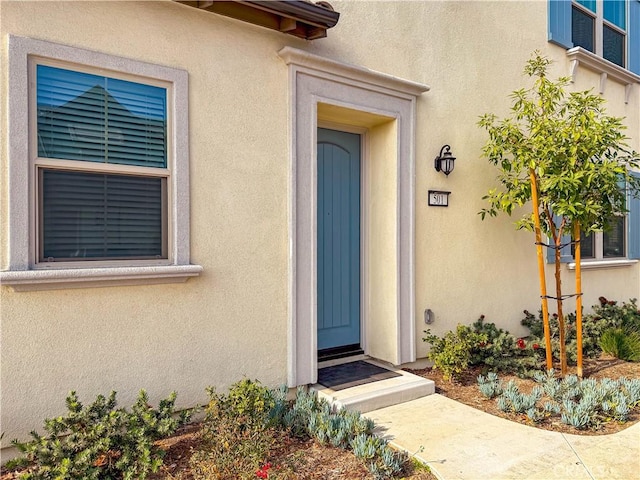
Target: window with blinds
588,18
604,245
101,167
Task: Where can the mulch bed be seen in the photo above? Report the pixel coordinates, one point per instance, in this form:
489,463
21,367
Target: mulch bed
466,391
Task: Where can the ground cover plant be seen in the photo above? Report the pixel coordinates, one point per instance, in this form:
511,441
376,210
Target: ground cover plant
250,432
242,429
581,403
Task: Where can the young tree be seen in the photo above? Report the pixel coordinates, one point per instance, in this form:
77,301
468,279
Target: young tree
564,154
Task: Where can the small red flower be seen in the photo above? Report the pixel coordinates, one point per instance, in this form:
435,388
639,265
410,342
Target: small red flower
536,346
521,344
263,472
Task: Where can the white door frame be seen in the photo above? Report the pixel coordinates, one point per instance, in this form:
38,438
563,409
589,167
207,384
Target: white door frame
373,97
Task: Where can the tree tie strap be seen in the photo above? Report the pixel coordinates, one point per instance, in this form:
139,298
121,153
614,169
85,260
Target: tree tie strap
561,297
558,247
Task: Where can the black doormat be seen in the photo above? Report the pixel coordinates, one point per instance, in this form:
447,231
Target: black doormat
352,374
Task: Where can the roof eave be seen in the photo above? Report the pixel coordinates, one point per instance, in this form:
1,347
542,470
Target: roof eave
299,18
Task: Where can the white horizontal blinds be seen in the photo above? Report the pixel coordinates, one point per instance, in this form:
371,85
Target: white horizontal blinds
101,216
136,124
95,118
71,115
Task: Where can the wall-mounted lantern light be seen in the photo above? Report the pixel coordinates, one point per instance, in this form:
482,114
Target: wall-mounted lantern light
444,161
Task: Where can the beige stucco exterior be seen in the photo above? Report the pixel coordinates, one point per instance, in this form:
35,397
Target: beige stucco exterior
236,317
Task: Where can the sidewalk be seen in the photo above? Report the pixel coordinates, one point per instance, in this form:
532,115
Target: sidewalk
460,442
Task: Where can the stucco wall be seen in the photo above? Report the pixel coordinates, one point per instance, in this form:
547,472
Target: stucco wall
232,320
212,330
382,218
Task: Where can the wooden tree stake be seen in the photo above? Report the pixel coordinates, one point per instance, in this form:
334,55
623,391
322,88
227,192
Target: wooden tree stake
576,237
541,271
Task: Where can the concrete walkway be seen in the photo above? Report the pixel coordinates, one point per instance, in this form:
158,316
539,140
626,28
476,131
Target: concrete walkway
460,442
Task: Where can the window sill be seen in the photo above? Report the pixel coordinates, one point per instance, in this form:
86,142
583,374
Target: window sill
606,69
28,280
594,264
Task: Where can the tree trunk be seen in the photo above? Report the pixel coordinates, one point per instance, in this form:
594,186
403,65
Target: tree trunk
561,325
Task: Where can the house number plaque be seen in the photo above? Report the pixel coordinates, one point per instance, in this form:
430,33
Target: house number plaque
438,198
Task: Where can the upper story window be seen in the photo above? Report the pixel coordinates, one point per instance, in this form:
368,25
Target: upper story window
600,27
607,28
97,172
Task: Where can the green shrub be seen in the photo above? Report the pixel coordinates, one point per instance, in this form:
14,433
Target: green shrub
451,354
606,315
621,343
100,441
625,316
504,352
535,326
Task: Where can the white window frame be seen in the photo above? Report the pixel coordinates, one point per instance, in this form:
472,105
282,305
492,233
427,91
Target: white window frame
23,272
598,40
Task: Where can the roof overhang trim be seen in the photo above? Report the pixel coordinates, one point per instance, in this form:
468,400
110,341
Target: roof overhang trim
299,18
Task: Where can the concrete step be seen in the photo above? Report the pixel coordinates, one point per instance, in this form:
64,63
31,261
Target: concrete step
378,394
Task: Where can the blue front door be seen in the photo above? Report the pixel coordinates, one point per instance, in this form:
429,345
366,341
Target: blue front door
338,239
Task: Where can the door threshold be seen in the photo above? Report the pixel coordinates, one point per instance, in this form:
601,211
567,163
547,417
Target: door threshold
342,360
346,351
